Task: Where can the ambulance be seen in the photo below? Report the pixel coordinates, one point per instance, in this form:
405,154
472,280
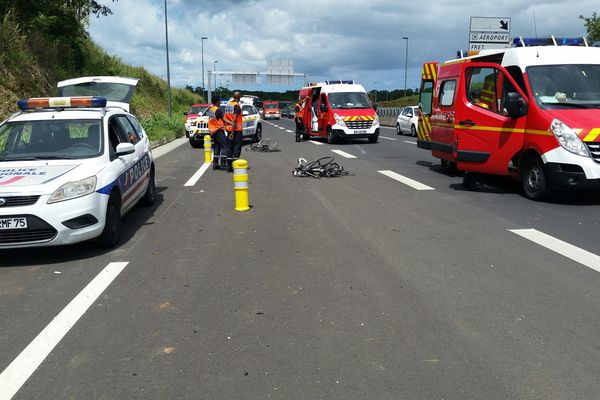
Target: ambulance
530,112
338,110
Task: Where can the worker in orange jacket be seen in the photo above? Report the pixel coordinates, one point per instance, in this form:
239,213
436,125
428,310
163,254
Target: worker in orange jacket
216,128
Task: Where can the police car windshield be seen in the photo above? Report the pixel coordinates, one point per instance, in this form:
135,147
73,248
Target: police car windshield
50,140
565,86
349,100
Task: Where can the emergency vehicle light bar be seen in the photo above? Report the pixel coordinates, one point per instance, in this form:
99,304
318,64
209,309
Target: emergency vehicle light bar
550,41
61,102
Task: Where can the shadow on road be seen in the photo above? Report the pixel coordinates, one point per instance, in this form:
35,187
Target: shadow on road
30,256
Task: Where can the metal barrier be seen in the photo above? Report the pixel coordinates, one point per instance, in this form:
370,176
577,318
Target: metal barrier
388,115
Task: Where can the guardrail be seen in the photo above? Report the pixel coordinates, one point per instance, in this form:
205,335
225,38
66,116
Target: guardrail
388,115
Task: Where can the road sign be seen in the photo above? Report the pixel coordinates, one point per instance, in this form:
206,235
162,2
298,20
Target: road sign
489,33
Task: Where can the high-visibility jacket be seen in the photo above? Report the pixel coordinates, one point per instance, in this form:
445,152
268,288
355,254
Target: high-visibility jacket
214,124
488,93
229,109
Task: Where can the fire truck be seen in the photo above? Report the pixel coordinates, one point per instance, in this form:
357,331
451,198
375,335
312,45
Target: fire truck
271,110
530,112
337,110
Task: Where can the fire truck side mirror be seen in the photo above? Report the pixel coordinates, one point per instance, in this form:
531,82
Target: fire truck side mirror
515,106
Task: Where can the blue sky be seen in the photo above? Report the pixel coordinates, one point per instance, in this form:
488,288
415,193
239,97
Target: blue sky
326,39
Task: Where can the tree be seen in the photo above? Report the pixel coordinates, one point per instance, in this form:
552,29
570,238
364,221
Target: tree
592,25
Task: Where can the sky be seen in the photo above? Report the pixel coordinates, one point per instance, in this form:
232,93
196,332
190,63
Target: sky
325,39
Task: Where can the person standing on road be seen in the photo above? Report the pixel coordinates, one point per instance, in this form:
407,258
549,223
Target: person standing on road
235,125
216,128
298,114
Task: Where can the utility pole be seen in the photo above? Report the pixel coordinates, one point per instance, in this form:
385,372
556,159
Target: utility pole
405,64
215,73
168,69
202,40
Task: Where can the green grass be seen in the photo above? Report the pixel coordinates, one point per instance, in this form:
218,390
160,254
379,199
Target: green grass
401,102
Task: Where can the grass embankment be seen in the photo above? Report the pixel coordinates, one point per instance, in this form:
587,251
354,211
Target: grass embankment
401,102
32,64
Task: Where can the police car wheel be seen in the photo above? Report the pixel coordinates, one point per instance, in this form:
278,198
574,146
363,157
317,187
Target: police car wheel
533,179
111,234
258,134
150,195
398,130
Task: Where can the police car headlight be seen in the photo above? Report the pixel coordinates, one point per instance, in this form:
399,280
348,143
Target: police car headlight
568,138
339,120
73,190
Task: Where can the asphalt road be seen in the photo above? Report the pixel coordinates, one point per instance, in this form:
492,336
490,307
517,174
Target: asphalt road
359,287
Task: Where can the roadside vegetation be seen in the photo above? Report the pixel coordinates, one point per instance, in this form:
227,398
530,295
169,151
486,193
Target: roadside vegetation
44,42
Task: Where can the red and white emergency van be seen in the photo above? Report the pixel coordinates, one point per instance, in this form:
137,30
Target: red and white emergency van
531,112
337,110
271,110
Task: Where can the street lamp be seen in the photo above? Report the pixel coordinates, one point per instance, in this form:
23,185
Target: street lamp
168,70
215,73
405,64
202,39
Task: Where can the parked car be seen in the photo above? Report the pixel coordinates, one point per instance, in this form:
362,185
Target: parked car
408,121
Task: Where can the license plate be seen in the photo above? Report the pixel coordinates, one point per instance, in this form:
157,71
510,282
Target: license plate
13,223
360,132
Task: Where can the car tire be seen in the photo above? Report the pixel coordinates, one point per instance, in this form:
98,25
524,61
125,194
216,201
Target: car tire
111,234
413,131
150,196
533,178
258,134
196,144
398,130
331,139
373,139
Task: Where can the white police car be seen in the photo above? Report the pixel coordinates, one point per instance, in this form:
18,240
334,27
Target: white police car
70,168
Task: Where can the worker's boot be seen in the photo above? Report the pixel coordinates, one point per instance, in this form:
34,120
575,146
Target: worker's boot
215,163
230,165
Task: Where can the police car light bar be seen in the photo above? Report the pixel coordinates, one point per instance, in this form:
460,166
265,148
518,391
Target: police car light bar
550,41
61,102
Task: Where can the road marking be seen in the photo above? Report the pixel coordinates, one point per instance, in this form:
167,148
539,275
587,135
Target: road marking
407,181
160,151
192,181
281,127
343,154
288,131
315,142
408,141
22,367
584,257
388,138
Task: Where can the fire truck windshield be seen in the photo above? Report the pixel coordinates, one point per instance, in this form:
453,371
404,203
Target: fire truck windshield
349,100
565,86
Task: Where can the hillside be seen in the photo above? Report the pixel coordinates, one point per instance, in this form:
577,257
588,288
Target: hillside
33,60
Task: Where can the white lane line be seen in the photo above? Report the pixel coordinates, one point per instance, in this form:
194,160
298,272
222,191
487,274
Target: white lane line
160,151
281,127
408,141
288,131
577,254
22,367
192,181
407,181
388,138
343,154
315,142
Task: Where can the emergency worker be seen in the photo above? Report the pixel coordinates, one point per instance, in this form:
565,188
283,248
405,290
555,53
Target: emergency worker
298,113
234,125
216,128
487,98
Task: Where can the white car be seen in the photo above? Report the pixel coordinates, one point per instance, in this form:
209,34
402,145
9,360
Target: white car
251,120
408,121
70,168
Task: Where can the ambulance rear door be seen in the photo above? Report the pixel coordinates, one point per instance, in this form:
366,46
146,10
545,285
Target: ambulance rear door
490,119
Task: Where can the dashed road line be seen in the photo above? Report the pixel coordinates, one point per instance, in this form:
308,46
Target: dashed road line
343,154
408,141
192,181
575,253
22,367
387,138
288,131
315,142
405,180
281,127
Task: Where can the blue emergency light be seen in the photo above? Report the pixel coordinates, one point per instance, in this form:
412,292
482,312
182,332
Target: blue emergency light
550,41
61,102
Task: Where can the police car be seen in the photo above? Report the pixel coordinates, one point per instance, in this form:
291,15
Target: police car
252,124
70,168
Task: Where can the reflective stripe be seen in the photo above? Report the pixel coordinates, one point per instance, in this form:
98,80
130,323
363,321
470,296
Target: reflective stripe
240,185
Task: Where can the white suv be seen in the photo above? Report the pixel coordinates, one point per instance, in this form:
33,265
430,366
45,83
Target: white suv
408,120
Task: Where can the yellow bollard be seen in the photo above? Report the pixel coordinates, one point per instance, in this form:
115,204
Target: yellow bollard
240,184
207,149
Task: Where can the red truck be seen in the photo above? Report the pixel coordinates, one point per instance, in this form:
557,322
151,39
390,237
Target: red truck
271,110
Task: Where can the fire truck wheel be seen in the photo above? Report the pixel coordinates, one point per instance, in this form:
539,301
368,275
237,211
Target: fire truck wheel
330,136
470,181
448,166
373,139
413,131
533,178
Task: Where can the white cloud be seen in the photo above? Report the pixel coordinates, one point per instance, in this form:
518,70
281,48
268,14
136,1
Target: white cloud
325,38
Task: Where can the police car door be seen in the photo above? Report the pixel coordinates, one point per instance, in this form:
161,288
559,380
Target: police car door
122,164
138,174
486,137
248,120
